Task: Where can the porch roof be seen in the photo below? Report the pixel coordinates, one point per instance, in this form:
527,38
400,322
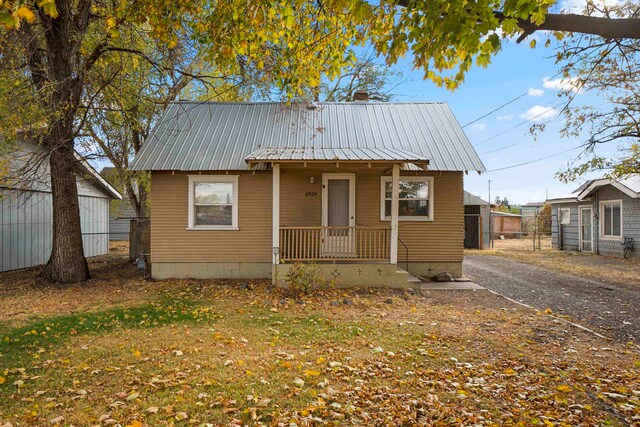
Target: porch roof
313,154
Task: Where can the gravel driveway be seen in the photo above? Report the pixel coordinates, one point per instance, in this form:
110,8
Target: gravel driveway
612,309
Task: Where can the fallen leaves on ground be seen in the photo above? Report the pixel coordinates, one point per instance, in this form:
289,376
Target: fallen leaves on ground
214,353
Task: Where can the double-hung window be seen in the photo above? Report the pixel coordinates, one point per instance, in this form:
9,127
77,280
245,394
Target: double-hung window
415,199
611,219
213,202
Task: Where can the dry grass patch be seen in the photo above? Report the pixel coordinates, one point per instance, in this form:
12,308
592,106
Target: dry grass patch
114,282
524,243
220,355
600,267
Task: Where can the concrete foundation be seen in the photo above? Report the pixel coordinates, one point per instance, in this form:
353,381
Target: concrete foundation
354,275
211,270
340,275
430,269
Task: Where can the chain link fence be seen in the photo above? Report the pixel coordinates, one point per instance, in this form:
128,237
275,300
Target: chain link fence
528,232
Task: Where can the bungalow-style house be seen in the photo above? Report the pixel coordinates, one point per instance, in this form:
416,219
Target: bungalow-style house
602,216
371,192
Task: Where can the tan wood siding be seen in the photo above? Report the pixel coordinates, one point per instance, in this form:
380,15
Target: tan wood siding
172,242
438,240
300,205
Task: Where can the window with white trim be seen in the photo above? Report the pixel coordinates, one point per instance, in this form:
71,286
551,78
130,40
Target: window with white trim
565,216
213,202
415,199
611,218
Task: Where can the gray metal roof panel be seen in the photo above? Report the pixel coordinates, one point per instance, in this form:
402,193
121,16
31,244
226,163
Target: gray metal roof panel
472,199
353,154
219,136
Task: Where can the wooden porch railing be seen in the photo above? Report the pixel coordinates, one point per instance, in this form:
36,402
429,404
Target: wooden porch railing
335,243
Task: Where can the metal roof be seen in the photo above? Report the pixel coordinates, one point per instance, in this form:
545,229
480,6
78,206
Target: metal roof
558,200
472,199
219,136
498,213
630,186
85,167
330,154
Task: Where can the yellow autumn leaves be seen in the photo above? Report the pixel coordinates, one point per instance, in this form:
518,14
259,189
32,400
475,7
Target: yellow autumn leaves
25,13
13,13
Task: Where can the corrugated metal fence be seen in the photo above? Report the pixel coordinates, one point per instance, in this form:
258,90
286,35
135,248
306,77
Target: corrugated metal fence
26,221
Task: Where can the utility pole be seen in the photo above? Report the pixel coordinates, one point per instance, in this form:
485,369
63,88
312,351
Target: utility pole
546,197
490,217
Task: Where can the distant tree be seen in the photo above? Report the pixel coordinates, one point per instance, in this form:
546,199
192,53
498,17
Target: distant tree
505,203
544,219
368,75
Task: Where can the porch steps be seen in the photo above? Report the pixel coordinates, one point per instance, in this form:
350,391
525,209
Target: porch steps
412,280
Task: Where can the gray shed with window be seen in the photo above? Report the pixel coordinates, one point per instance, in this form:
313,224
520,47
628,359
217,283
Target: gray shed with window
602,217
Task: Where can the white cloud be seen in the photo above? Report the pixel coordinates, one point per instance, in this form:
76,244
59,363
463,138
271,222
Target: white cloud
535,92
562,84
505,118
539,113
479,126
578,6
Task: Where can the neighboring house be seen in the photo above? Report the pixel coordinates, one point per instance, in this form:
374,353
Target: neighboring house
120,212
26,215
603,217
531,208
476,222
507,225
243,190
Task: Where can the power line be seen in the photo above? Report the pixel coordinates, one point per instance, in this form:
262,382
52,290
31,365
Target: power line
505,104
496,109
502,148
525,140
536,160
552,108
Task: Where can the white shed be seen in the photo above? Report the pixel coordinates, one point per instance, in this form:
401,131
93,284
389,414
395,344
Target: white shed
26,219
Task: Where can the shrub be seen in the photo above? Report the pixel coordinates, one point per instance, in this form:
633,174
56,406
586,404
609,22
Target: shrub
302,278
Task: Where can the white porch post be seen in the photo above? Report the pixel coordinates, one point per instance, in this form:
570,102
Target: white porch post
276,213
395,191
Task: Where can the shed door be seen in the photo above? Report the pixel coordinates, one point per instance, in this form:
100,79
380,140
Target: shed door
586,229
472,231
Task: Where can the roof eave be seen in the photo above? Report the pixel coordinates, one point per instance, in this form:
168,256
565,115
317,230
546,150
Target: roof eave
98,179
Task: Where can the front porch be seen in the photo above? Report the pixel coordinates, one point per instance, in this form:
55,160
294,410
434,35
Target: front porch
325,225
332,243
341,214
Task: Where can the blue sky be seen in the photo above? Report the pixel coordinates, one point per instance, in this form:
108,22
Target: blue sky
514,71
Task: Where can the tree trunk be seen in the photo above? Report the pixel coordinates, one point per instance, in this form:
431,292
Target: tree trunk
67,263
142,201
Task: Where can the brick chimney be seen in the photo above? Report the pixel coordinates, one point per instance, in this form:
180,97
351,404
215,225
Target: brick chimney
360,96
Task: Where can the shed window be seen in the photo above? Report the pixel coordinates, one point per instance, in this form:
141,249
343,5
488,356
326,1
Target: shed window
565,216
611,218
415,199
213,202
